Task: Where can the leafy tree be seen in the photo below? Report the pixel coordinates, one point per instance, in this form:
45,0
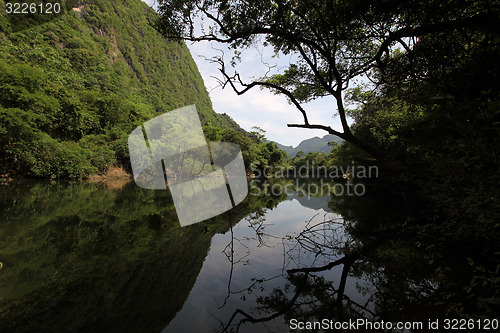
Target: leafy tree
333,42
299,154
259,134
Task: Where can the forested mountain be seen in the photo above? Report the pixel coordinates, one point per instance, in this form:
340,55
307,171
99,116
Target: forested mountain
312,145
73,86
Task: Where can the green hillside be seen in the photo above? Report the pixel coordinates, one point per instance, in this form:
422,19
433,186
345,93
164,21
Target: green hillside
74,85
315,144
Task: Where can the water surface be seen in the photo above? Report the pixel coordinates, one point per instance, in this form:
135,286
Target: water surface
81,257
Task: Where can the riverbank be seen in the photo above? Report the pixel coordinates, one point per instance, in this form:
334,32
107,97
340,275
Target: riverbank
115,177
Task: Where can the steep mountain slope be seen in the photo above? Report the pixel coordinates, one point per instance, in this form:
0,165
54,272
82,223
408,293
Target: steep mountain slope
73,86
312,145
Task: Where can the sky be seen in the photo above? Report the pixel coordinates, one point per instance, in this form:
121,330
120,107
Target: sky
259,107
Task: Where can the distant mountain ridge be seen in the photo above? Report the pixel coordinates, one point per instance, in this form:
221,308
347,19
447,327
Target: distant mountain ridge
311,145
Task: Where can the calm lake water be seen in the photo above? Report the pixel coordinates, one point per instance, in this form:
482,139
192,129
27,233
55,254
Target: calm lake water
112,258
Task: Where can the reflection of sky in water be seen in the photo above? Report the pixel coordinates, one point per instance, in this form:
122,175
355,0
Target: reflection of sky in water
254,257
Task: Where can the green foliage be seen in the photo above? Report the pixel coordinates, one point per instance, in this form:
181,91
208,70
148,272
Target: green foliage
258,153
45,157
74,86
436,112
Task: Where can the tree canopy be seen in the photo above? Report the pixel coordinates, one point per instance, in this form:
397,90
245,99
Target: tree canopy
333,42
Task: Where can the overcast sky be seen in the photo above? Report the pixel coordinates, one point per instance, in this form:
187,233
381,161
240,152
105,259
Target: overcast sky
260,107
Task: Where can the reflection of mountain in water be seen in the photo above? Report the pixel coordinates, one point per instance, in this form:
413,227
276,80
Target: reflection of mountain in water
311,202
78,257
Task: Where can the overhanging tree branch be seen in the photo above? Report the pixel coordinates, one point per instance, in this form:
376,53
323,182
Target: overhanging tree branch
336,42
249,86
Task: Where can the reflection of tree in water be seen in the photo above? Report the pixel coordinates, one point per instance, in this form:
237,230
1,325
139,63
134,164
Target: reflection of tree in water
306,295
82,258
403,277
78,257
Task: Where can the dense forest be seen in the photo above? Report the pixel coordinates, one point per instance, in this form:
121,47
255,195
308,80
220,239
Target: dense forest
74,85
